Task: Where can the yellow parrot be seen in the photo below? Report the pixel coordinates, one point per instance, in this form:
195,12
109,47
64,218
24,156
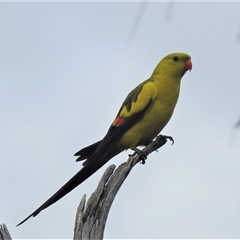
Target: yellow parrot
142,116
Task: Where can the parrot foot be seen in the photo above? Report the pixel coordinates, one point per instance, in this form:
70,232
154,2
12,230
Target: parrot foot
141,154
156,144
169,138
161,140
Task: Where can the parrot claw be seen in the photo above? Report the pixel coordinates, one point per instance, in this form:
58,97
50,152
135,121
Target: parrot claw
169,138
160,141
141,154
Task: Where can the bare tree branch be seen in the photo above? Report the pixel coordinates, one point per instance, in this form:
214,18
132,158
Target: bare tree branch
4,233
137,20
91,218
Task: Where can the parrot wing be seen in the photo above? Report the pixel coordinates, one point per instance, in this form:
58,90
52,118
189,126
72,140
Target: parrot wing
132,110
136,104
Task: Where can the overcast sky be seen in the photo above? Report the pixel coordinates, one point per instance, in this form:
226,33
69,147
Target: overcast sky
65,70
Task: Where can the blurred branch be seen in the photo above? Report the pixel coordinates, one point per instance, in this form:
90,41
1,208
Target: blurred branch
91,217
137,20
234,134
139,16
169,10
237,124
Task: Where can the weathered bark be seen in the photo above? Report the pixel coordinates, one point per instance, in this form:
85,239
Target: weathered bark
91,217
4,233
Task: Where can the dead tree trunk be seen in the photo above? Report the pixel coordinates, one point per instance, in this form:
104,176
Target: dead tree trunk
91,217
4,233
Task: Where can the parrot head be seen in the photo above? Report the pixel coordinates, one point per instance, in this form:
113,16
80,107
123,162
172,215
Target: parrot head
175,64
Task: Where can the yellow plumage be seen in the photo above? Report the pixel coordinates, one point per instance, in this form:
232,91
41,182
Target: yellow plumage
142,116
163,89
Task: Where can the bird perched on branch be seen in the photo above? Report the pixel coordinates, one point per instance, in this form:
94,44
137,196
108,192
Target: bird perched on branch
142,116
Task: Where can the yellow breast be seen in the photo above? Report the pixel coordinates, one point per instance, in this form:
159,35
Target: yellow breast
154,119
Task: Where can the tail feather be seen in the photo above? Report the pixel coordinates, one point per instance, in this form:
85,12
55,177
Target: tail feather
87,151
77,179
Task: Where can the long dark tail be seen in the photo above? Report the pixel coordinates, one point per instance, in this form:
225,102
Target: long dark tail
81,176
86,152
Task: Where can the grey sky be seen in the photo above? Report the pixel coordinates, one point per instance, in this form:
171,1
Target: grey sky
65,70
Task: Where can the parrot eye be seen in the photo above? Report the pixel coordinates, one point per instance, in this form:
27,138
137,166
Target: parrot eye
175,58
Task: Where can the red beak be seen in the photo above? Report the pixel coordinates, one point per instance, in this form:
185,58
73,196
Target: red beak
188,65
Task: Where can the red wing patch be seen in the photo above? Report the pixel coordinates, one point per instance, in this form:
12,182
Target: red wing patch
118,122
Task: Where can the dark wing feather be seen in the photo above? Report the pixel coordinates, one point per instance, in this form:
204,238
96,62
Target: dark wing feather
87,151
116,131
